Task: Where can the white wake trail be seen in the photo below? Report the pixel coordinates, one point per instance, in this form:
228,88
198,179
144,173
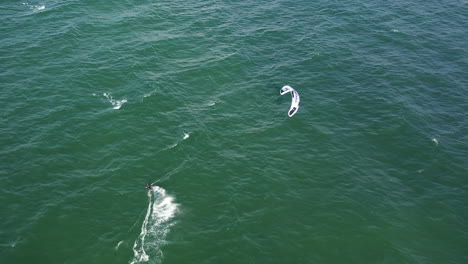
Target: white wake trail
161,209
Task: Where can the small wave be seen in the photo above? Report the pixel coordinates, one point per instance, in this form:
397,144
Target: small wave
205,106
172,146
161,209
186,136
116,103
436,142
149,94
11,244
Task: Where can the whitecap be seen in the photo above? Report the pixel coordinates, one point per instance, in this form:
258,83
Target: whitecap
116,103
184,137
119,104
435,141
118,245
34,7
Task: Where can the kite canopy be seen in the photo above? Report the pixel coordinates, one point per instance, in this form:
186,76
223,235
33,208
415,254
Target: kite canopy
295,99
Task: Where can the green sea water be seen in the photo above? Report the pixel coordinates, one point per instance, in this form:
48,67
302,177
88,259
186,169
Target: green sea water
99,98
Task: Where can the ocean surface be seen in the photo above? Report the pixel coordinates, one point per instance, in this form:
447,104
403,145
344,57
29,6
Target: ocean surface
99,98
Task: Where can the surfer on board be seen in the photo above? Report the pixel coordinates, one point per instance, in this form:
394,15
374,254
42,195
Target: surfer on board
149,186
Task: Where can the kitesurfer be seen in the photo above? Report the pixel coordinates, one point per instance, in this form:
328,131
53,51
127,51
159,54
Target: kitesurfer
149,186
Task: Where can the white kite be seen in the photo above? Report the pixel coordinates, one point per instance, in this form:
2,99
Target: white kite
295,99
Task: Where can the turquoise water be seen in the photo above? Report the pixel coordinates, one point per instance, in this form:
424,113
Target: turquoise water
99,99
